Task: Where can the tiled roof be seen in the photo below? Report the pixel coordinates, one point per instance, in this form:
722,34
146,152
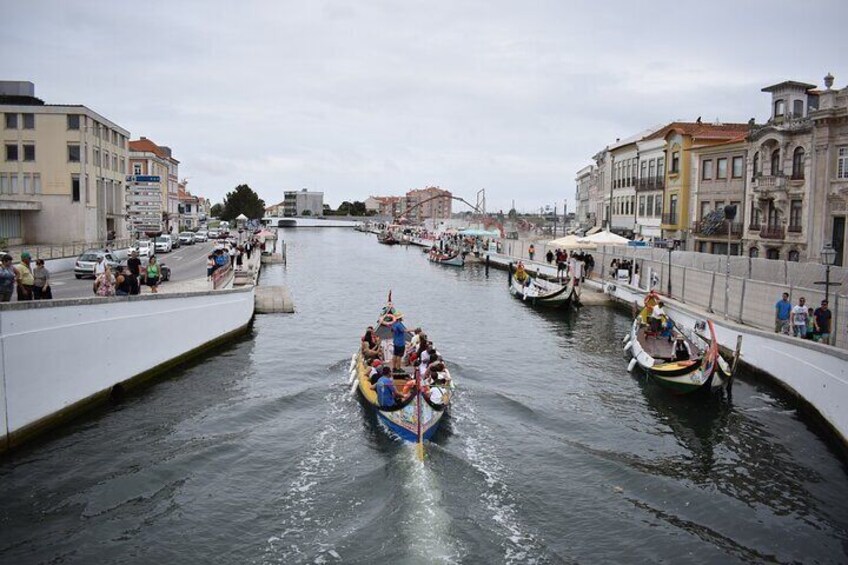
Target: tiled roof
145,145
703,130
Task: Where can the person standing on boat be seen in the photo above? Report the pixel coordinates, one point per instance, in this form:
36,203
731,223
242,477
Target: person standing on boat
386,391
399,342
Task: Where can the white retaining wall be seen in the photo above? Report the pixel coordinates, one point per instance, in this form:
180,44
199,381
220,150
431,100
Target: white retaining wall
54,354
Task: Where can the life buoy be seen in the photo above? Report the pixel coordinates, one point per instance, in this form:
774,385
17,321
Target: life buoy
389,319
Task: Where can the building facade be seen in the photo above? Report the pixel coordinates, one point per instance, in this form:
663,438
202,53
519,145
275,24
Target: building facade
303,203
275,210
583,215
431,202
649,188
62,172
393,206
152,177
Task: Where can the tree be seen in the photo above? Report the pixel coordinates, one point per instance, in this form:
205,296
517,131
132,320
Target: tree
242,201
216,210
307,213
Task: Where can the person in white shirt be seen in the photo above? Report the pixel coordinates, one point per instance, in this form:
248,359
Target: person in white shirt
798,318
100,266
657,315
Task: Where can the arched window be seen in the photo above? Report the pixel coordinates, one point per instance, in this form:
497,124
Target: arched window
775,162
798,163
754,252
794,255
798,108
779,108
756,164
773,253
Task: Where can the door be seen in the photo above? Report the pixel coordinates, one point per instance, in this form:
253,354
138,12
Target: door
839,239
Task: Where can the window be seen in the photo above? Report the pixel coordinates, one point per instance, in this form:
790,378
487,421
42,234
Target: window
136,168
123,169
795,215
721,168
675,162
642,205
658,205
651,169
29,152
12,152
737,167
798,108
643,169
753,253
672,209
794,256
798,163
649,206
11,121
661,167
96,153
27,183
842,163
75,188
29,121
775,162
779,108
755,216
73,121
36,183
707,169
773,253
73,153
756,165
705,209
14,179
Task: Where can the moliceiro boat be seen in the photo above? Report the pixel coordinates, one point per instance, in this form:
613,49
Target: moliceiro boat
679,360
386,238
539,292
456,259
421,397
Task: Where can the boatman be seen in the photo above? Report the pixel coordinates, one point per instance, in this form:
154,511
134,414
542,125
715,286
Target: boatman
399,343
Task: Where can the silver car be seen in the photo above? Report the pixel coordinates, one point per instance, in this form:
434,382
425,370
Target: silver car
85,263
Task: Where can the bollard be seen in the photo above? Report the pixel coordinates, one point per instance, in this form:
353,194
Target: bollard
487,265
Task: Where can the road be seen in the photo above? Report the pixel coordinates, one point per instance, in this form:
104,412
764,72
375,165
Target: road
187,262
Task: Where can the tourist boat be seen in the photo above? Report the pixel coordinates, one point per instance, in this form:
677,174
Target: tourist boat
702,368
539,292
455,260
386,238
416,417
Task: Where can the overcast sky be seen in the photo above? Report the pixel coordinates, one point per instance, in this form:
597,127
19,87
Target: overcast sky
378,97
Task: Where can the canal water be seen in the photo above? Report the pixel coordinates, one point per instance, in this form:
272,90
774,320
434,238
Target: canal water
553,453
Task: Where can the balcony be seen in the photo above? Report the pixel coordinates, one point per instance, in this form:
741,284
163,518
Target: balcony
670,219
769,183
650,183
772,232
794,229
754,226
715,229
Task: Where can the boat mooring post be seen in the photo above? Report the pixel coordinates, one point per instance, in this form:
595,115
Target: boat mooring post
487,265
509,276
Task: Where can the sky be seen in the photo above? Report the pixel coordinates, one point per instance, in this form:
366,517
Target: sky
380,97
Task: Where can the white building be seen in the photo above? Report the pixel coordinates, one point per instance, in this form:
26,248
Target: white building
303,203
62,172
649,187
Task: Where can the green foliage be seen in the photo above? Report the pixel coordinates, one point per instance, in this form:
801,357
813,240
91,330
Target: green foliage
348,208
216,210
243,200
307,213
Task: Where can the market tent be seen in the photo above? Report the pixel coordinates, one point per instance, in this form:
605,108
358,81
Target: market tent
594,230
570,242
241,218
472,232
605,238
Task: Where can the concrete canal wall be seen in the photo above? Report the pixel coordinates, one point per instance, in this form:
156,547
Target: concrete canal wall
59,357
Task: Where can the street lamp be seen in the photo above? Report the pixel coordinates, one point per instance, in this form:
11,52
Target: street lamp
729,215
828,258
669,243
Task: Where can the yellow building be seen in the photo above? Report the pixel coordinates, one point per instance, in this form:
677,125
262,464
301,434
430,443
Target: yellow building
680,139
62,171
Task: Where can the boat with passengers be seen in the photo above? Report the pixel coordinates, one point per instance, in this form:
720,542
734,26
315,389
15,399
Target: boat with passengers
680,360
536,291
421,381
452,258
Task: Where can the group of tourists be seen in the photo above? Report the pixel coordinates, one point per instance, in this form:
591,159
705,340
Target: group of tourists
127,281
419,353
31,283
802,320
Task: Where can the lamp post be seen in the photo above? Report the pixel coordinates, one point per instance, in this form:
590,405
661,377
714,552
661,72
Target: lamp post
828,258
729,215
669,243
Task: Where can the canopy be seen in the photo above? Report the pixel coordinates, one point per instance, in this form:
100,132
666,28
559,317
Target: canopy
571,242
480,233
605,238
594,230
241,217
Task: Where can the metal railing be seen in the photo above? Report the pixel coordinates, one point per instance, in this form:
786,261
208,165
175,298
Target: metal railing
64,250
772,232
794,229
711,229
650,183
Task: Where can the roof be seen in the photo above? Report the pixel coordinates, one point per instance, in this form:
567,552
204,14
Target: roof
703,130
145,145
788,84
644,134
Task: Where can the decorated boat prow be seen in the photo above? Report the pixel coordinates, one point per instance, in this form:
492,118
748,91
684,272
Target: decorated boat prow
536,291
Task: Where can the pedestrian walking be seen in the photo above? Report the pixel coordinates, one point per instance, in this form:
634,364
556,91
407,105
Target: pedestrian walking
41,286
531,251
822,318
549,256
134,264
154,275
8,276
782,312
25,279
798,318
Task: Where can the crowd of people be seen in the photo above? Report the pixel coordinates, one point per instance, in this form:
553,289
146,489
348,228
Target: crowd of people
418,353
801,320
27,281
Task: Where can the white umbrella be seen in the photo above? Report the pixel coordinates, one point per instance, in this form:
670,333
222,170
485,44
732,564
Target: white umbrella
605,238
571,242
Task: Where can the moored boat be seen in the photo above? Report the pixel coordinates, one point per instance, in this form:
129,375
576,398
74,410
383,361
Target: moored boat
386,238
539,292
682,362
452,259
416,415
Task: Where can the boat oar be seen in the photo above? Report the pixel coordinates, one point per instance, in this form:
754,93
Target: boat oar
419,447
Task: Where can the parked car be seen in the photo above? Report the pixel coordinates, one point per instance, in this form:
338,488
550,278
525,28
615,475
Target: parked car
201,236
187,238
175,241
164,244
84,265
145,248
212,234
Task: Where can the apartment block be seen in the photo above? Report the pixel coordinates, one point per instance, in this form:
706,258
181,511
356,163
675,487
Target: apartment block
62,170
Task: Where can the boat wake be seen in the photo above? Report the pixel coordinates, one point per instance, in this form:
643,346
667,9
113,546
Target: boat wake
518,545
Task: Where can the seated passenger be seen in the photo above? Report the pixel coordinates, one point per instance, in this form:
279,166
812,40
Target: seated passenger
681,350
385,387
370,345
376,371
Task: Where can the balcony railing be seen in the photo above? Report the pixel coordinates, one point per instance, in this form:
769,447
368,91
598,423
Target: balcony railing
713,229
772,232
754,226
670,219
794,229
650,183
769,182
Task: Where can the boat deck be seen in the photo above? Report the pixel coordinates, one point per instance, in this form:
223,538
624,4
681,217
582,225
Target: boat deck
657,347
